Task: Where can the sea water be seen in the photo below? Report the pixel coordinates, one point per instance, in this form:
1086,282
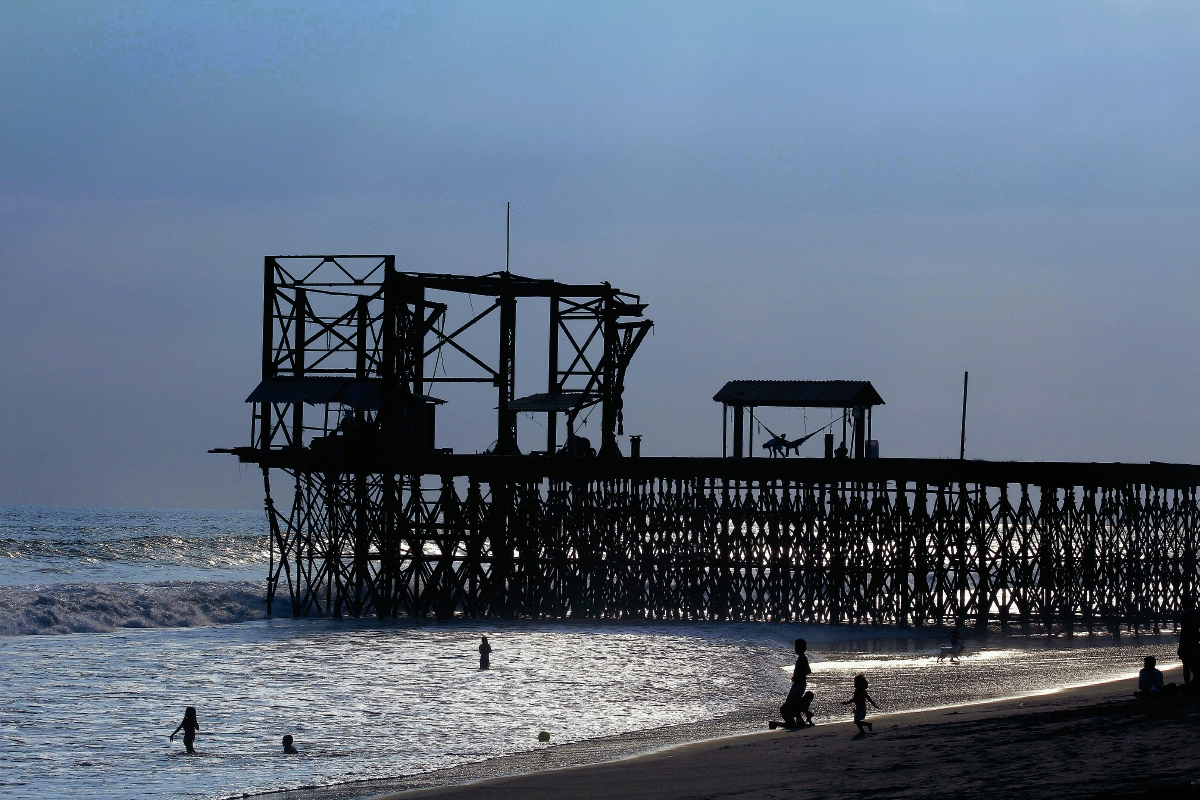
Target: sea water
112,621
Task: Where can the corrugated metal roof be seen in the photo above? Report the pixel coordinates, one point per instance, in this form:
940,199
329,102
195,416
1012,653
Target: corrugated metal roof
798,394
314,391
365,394
564,401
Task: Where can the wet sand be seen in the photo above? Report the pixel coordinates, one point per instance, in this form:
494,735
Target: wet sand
1092,741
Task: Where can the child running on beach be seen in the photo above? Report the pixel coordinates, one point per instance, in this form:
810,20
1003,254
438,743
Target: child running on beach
860,700
189,727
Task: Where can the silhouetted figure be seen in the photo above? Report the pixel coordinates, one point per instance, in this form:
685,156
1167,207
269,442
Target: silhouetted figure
189,727
1150,682
860,700
1150,679
799,714
485,652
791,706
1189,645
288,747
841,451
954,649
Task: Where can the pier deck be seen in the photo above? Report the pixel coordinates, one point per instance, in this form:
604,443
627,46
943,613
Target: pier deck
1047,546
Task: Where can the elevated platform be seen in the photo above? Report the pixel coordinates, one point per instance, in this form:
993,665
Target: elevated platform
374,519
932,471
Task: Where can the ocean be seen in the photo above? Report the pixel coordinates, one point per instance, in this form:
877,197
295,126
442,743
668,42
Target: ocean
113,620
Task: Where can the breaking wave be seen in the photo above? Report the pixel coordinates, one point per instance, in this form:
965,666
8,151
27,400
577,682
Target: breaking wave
104,607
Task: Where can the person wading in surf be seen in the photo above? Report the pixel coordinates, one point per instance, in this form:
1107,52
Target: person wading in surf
485,654
189,726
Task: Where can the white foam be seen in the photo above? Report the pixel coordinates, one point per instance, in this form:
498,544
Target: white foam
103,607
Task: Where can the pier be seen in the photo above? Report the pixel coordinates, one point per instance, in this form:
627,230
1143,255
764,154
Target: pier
368,516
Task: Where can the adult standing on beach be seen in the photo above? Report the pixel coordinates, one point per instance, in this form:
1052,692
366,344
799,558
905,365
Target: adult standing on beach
1189,645
189,727
485,652
795,699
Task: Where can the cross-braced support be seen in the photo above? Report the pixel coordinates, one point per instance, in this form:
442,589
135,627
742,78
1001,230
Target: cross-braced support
374,518
703,547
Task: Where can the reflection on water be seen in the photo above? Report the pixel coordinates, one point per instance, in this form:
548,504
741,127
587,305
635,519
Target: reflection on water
87,714
90,714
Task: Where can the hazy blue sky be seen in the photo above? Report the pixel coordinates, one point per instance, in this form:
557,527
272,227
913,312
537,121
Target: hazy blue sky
888,191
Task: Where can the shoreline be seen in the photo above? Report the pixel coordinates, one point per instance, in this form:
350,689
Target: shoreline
691,741
1019,745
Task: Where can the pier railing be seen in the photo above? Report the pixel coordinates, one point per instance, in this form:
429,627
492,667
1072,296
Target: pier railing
909,542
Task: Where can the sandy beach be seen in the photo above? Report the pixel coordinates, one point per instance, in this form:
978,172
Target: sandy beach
1090,741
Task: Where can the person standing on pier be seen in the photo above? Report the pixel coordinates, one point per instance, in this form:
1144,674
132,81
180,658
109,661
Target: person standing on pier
485,652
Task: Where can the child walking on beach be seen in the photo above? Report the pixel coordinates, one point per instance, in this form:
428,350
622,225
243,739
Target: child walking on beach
860,700
189,727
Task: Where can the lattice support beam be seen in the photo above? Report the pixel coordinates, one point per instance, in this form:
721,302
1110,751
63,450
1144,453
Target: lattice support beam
905,553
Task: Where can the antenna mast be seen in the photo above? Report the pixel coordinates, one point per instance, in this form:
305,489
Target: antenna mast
962,436
507,232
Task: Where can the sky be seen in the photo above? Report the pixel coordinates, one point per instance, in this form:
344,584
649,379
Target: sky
894,192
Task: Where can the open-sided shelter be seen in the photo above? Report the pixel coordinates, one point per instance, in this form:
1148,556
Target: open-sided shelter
855,398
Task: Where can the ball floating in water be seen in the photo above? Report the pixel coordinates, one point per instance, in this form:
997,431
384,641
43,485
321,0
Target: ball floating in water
544,736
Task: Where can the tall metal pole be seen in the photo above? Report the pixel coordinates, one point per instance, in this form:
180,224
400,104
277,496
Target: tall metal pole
608,366
299,314
268,347
724,430
750,445
506,433
507,232
552,386
962,439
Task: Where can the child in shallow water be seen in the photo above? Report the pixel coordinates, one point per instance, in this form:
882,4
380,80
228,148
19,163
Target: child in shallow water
860,700
189,727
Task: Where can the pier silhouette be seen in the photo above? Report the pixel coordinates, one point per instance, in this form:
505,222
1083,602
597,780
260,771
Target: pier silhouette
380,520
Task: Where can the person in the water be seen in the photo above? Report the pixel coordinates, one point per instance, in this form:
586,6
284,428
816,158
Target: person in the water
485,652
189,726
288,747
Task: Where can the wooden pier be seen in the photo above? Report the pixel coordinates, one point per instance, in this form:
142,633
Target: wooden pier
373,518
